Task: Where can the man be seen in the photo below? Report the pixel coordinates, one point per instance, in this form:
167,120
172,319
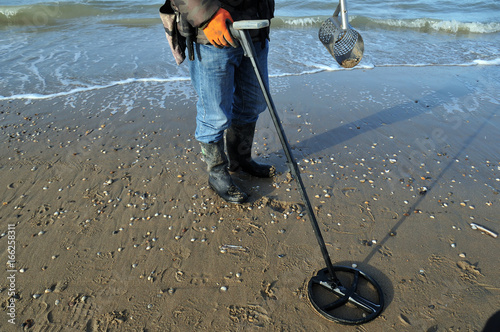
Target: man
229,95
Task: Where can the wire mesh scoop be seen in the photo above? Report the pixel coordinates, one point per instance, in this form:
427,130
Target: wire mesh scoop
340,39
342,294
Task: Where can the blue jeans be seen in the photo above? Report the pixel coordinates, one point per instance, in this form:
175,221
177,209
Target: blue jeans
228,90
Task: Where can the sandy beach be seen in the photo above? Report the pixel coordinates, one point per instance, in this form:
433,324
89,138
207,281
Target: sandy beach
116,229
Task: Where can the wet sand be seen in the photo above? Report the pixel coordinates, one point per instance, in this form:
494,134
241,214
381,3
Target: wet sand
116,228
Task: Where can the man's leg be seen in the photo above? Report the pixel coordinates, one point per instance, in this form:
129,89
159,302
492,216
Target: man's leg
212,75
249,102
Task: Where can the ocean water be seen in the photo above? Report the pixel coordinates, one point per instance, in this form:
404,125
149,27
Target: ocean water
56,48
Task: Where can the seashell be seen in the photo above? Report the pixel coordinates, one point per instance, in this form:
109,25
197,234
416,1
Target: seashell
484,229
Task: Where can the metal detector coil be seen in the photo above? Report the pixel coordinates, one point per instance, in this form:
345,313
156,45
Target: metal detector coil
340,39
341,294
350,297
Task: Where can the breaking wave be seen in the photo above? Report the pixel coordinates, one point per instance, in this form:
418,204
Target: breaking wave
419,24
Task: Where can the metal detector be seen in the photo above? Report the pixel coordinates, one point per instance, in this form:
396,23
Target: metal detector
339,293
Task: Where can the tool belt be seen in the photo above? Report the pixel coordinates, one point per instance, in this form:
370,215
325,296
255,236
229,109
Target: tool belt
175,39
181,35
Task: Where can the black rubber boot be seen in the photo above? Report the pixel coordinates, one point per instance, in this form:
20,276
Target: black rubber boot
239,141
218,175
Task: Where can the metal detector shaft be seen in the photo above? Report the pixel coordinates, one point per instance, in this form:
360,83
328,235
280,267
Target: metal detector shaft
246,43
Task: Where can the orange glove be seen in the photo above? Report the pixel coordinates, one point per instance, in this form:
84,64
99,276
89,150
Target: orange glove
217,31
